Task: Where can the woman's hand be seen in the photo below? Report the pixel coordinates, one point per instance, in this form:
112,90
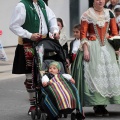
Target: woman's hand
86,53
86,56
72,80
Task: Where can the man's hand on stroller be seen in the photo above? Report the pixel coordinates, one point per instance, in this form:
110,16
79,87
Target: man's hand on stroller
35,37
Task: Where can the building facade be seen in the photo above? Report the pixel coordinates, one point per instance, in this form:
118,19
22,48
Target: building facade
69,10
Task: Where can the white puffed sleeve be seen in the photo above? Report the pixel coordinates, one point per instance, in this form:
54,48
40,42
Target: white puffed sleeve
52,21
67,76
45,78
17,20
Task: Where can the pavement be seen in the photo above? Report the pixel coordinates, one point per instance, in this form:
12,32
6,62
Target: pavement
6,66
18,105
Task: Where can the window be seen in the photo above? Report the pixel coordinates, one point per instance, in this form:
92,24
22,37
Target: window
74,14
90,3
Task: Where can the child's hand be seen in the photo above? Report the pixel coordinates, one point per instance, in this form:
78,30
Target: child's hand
86,55
45,84
56,36
68,62
72,80
118,52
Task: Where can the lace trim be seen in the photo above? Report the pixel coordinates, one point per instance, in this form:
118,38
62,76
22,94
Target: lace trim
106,79
91,17
83,41
98,36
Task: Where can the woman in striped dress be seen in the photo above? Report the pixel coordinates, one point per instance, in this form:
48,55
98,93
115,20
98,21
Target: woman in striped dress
60,93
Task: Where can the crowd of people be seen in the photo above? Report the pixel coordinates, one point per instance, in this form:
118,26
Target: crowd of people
91,59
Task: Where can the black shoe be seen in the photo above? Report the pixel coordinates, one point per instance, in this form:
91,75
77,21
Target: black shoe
104,111
79,116
98,111
60,116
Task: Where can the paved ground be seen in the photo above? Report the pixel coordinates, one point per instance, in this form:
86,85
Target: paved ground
6,66
14,101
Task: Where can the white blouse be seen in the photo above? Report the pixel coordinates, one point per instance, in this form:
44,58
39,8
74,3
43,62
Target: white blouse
19,16
76,45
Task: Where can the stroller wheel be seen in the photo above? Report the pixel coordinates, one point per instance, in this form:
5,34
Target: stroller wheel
73,116
65,115
47,118
33,114
60,115
44,116
38,113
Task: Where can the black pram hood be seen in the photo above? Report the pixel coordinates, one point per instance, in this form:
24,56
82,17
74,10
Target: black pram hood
52,45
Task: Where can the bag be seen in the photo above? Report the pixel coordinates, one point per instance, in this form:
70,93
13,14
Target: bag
40,53
115,42
3,56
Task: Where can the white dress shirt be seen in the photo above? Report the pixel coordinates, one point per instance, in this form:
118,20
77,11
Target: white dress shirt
76,45
19,16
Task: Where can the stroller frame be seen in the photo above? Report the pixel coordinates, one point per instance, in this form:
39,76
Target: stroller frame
39,112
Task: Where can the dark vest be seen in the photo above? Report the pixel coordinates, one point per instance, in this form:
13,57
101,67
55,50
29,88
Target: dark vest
32,21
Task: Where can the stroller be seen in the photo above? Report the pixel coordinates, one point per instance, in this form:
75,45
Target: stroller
52,52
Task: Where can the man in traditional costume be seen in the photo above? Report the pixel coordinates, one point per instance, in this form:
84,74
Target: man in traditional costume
32,20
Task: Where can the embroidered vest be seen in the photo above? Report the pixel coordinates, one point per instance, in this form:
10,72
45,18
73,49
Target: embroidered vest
32,21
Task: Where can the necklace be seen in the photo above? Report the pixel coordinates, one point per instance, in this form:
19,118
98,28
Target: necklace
40,18
98,11
39,15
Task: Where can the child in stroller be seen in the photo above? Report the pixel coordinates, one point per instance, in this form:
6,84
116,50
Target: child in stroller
60,97
60,89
